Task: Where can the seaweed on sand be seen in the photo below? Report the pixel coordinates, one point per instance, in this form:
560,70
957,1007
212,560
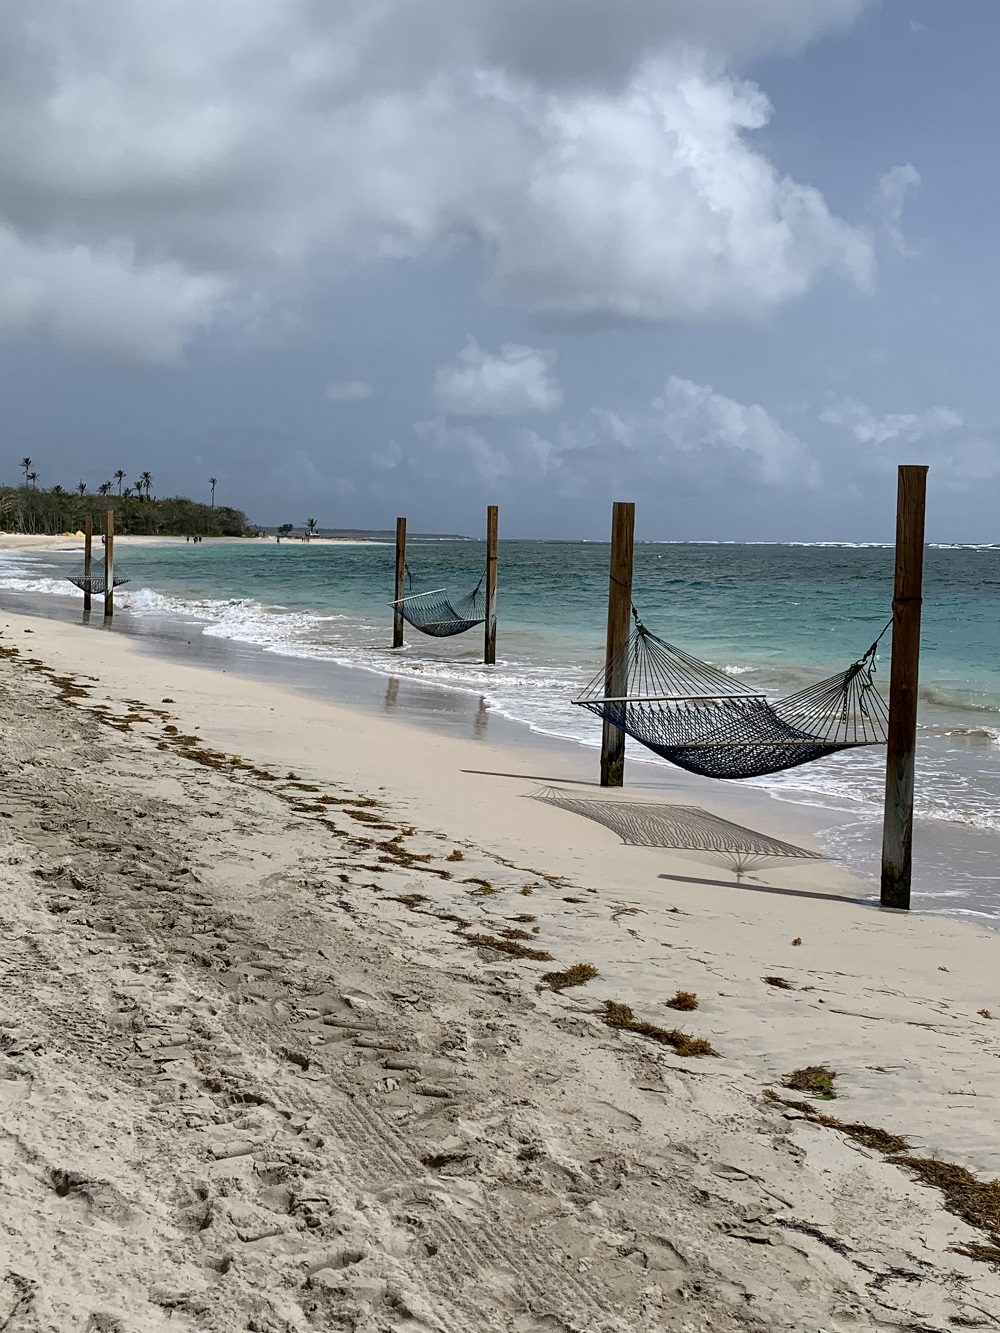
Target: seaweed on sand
617,1015
577,974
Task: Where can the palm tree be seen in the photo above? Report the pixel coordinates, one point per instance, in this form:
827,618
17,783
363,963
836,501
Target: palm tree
137,487
32,477
213,482
26,464
120,477
104,488
57,490
81,488
311,526
146,480
127,492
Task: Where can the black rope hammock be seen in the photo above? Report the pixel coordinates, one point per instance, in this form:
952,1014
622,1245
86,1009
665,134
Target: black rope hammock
434,613
96,584
694,715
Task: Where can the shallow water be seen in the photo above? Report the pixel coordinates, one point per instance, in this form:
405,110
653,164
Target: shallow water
779,615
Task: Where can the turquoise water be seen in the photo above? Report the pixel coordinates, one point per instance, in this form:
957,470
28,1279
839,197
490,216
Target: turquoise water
780,615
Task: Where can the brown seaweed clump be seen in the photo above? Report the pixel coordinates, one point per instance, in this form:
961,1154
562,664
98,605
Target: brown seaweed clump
684,999
814,1079
578,974
975,1201
512,947
617,1015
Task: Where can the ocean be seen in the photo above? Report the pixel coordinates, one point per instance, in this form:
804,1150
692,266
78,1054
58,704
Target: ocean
780,616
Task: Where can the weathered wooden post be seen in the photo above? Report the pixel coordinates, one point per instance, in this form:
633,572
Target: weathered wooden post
397,618
619,613
88,543
897,828
109,564
492,536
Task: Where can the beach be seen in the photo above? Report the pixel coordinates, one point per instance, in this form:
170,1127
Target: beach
280,1051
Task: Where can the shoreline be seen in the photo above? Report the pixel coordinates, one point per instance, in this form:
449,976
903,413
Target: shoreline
27,541
275,983
950,856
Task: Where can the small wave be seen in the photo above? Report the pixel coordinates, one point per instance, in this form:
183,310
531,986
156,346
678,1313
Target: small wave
49,587
957,700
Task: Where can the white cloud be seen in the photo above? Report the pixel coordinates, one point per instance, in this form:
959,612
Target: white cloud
961,453
894,187
696,419
513,382
904,427
348,391
105,301
478,456
690,439
199,161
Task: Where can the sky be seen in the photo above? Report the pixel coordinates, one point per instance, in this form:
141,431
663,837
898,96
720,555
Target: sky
731,259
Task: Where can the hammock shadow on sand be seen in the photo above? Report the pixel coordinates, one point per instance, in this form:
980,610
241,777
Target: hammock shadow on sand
683,828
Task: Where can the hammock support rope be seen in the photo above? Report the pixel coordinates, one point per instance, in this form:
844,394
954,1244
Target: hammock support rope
694,715
434,613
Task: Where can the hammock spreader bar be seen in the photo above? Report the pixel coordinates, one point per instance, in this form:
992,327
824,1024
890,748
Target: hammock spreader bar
434,613
694,715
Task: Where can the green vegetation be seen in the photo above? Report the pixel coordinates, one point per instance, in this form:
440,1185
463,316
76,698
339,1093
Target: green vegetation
28,508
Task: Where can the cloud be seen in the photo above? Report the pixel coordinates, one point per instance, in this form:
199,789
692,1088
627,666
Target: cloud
696,419
198,162
105,301
894,187
960,452
690,439
477,456
348,391
904,427
514,382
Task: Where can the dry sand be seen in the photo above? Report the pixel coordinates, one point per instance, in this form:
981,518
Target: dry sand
268,1063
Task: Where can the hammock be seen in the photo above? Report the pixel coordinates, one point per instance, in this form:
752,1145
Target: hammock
434,612
694,715
94,583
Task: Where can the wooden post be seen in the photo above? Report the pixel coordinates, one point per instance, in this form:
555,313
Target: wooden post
897,828
397,619
619,614
88,543
492,535
109,564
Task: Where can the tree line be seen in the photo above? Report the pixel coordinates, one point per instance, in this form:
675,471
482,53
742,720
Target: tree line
29,508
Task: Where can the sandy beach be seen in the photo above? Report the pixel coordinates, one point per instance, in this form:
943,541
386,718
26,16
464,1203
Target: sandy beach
284,1044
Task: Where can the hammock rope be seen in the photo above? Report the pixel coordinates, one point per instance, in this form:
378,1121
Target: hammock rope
698,717
95,583
434,613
